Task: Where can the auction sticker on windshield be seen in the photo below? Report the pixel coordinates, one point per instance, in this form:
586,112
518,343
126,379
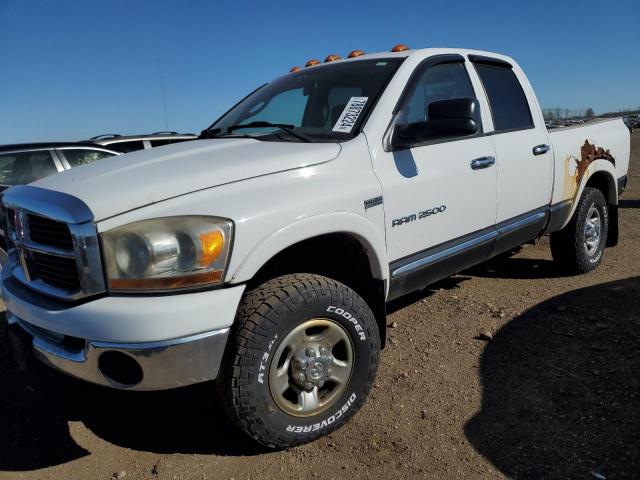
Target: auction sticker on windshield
350,114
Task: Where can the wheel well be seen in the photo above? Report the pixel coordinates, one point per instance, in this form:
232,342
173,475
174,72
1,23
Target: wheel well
604,182
339,256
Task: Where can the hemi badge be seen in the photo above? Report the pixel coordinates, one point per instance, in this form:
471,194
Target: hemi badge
372,202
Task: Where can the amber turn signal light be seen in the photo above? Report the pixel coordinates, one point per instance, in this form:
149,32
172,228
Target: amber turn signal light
211,244
332,57
355,53
401,47
312,62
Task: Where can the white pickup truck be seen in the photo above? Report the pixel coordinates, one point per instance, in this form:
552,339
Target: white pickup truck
263,254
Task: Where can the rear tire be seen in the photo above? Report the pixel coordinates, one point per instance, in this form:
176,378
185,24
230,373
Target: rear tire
301,361
579,246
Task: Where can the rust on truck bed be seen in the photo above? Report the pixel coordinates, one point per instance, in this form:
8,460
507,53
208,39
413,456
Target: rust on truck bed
575,169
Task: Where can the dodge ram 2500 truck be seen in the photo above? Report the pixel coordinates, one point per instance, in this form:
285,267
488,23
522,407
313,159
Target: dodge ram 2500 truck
263,254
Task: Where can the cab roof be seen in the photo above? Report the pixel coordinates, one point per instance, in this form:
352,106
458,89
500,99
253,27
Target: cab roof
419,52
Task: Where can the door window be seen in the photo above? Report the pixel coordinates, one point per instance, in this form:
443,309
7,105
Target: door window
77,157
444,81
25,167
509,106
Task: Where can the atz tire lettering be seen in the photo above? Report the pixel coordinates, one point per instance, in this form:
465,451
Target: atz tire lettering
265,359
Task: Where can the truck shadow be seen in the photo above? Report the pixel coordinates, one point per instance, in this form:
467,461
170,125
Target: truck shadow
561,390
35,411
517,268
629,204
449,283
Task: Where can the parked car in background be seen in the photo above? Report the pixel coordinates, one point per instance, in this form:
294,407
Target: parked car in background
632,121
129,143
25,163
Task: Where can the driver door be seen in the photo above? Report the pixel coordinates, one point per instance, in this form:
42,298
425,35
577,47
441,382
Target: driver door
440,197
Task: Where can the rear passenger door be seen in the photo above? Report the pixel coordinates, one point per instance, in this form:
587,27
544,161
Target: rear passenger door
521,144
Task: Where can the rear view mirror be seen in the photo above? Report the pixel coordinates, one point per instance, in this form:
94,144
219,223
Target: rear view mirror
457,117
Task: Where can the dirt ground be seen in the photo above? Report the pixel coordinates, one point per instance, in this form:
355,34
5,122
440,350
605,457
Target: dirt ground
552,391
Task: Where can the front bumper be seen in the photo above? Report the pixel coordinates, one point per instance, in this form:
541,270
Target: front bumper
130,342
135,366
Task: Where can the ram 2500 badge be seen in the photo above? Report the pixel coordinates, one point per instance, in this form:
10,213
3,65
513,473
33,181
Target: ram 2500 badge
263,254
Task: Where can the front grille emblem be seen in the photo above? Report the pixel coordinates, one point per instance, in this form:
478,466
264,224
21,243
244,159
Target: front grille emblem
19,220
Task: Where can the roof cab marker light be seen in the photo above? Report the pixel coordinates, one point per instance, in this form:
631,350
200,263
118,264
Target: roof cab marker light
294,69
312,62
332,58
355,53
401,47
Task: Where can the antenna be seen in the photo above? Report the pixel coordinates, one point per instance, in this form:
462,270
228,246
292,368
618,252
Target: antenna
164,100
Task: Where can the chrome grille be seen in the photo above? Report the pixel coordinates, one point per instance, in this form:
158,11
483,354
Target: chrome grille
49,232
53,243
58,271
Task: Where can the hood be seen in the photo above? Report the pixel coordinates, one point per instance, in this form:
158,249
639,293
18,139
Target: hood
117,184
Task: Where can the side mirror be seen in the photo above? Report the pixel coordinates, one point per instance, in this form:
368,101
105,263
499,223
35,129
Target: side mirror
457,117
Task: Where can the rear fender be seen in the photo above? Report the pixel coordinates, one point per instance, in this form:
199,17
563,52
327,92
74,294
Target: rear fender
599,165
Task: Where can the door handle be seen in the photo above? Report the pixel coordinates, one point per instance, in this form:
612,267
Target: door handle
482,162
541,149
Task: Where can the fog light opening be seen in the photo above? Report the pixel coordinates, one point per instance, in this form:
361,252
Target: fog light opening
120,369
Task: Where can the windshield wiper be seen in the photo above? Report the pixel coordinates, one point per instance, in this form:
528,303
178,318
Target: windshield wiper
282,126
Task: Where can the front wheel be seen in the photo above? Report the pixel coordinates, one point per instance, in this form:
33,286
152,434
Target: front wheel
579,246
302,360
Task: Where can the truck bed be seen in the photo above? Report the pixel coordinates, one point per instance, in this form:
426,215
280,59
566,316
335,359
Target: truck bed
576,147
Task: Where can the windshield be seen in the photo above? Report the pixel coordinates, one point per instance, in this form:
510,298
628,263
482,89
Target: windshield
327,103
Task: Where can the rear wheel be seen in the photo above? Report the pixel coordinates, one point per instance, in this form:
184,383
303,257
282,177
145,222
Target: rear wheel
579,246
302,360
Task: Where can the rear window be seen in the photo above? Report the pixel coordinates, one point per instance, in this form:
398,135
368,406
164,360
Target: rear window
25,167
168,141
126,147
509,106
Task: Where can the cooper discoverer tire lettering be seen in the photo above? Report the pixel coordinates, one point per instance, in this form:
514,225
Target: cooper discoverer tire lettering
301,361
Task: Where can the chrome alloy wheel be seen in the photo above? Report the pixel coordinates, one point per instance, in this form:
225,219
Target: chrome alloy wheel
592,230
311,367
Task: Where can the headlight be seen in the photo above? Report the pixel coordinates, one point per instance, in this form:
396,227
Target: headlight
167,253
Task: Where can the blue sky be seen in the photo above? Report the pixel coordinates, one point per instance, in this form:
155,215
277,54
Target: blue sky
74,69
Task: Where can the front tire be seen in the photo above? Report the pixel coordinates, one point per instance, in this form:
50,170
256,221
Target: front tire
301,361
579,246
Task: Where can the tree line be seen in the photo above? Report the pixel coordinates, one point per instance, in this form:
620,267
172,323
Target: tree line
566,113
